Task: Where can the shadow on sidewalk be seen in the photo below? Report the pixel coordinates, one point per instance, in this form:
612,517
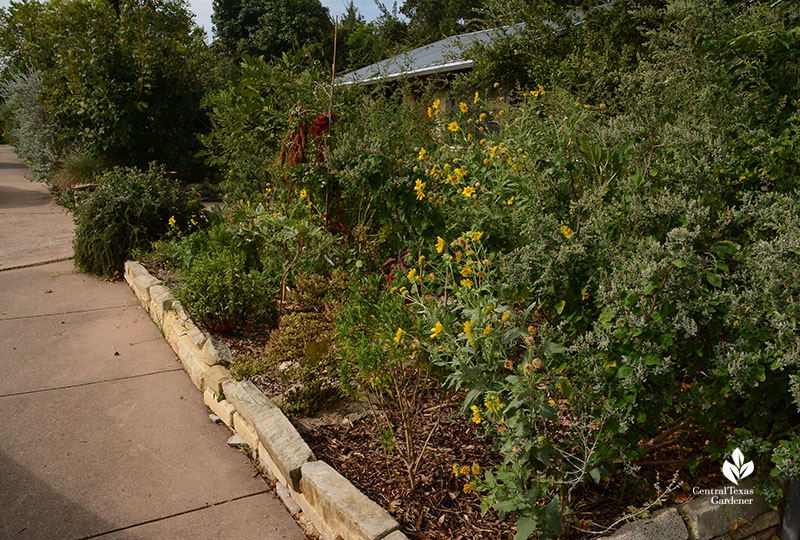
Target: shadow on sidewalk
31,509
13,197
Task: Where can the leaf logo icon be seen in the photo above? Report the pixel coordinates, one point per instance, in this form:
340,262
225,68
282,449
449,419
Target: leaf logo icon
738,470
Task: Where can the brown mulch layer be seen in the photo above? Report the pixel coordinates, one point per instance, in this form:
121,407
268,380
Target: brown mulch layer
158,270
438,508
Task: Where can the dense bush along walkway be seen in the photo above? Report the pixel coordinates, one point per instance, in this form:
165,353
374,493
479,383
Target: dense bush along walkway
102,433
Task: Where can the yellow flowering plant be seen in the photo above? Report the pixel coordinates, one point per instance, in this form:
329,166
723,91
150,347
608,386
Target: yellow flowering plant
381,359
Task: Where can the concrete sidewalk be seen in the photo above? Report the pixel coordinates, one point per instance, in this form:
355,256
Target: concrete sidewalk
102,434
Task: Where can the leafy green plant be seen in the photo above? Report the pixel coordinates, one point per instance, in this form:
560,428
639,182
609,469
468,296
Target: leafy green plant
129,209
380,360
124,84
219,287
298,353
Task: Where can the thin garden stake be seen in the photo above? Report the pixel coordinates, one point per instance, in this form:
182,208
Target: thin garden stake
333,68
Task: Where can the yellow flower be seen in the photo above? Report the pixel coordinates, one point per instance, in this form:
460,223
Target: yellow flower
566,231
192,221
541,89
456,469
602,106
303,194
452,126
493,404
439,244
469,137
429,112
468,328
476,414
476,235
412,275
487,330
476,98
437,329
466,271
492,152
418,187
535,93
422,153
469,488
485,161
466,283
500,113
171,221
506,316
398,335
468,191
510,201
436,103
463,107
476,469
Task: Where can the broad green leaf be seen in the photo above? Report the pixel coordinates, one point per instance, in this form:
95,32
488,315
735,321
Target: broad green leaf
724,248
714,279
526,526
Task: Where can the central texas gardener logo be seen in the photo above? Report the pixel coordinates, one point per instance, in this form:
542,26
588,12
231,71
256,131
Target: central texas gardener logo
738,470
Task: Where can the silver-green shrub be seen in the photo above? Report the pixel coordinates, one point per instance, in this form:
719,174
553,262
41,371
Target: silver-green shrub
30,131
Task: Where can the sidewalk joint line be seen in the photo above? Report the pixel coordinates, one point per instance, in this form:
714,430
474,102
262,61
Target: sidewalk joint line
67,387
31,265
156,520
64,313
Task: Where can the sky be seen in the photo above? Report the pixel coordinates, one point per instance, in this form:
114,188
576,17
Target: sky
202,10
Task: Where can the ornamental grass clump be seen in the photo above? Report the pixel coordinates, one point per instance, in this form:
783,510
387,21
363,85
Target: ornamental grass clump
128,211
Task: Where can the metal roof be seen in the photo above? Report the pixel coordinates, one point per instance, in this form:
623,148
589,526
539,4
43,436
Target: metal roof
439,57
442,56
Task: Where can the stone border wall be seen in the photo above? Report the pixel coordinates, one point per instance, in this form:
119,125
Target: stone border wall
311,490
700,519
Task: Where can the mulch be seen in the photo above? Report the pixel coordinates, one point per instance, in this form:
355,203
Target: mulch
437,508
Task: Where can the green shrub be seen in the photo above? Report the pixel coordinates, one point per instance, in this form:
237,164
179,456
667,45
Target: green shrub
222,283
125,85
381,361
298,352
128,210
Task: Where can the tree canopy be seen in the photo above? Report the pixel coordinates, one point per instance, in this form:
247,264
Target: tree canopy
271,27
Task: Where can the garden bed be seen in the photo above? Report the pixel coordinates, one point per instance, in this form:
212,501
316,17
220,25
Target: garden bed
343,432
